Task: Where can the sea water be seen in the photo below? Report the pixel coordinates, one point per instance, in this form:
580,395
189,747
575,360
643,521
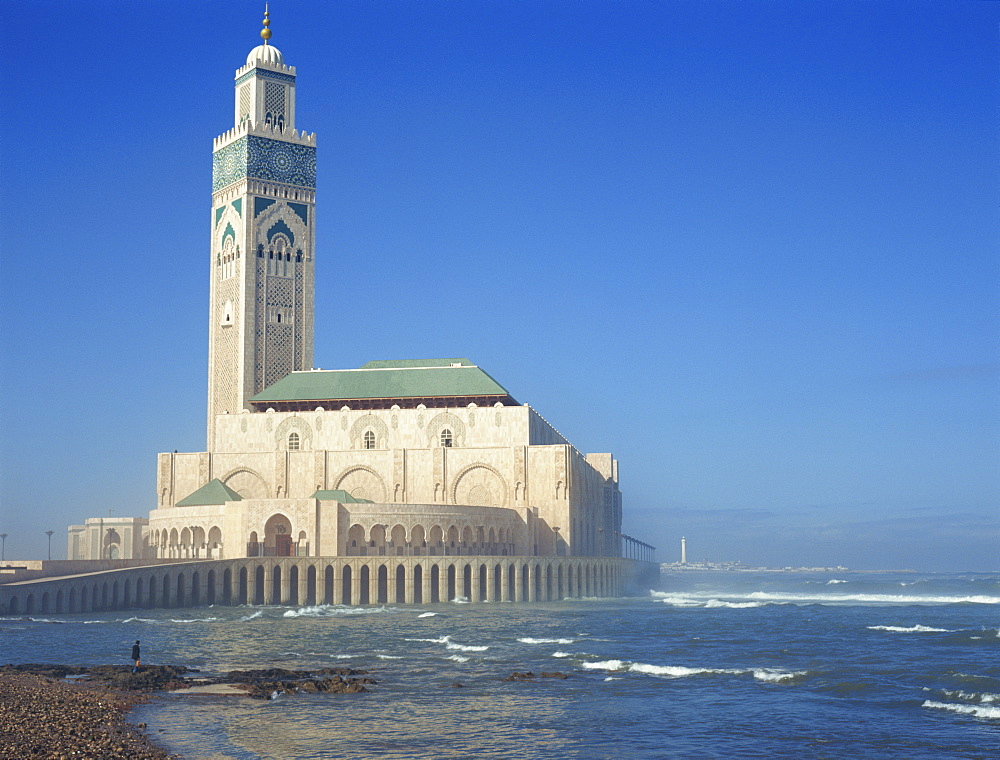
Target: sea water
708,665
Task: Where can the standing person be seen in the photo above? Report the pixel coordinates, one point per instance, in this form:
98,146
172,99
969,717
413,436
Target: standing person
135,656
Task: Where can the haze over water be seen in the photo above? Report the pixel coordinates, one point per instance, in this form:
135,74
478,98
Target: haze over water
716,665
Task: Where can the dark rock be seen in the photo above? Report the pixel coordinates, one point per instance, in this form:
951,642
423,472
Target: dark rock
516,676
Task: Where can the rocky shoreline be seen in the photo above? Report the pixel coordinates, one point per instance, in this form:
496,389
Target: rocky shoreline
66,711
44,715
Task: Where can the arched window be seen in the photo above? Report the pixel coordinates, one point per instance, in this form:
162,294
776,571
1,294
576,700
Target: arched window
369,439
293,441
446,439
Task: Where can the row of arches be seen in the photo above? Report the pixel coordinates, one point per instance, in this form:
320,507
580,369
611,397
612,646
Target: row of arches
379,539
190,542
321,582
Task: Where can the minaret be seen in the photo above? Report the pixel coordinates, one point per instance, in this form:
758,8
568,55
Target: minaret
684,551
263,216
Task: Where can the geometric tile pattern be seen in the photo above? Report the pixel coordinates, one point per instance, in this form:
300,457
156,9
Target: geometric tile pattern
266,159
266,74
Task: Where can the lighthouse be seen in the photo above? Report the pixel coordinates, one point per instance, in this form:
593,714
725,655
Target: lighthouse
684,551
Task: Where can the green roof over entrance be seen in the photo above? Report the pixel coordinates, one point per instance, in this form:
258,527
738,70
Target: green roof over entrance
406,379
213,492
340,495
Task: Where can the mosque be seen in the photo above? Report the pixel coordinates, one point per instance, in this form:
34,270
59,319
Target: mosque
414,458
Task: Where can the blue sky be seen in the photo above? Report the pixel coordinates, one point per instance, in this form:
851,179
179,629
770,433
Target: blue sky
749,247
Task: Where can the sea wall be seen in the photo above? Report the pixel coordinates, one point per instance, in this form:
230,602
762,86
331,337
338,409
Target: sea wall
328,580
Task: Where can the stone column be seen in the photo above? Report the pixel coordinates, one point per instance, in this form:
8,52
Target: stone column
304,584
286,583
408,586
425,583
504,583
234,584
268,585
352,593
475,596
532,573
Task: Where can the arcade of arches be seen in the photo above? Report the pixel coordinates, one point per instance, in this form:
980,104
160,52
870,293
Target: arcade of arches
324,580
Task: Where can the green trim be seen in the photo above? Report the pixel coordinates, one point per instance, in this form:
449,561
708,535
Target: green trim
238,205
261,204
302,210
218,214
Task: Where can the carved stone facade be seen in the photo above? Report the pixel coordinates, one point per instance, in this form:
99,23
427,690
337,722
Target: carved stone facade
263,239
401,459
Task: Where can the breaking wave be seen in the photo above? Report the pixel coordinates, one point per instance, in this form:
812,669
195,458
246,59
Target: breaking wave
992,713
790,597
252,616
529,640
334,610
912,629
194,620
426,614
449,644
680,671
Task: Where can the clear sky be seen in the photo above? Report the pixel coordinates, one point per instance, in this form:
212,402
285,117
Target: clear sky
748,247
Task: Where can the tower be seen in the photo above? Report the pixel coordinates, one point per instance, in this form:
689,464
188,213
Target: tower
684,551
263,236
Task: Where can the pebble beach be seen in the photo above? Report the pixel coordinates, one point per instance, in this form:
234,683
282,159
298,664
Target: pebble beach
44,717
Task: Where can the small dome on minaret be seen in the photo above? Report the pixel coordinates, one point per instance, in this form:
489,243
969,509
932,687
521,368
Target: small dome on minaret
266,53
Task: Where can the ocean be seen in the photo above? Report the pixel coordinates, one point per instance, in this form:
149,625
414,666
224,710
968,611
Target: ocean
708,665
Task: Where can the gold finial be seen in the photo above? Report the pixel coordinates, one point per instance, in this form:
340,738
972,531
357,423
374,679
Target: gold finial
265,32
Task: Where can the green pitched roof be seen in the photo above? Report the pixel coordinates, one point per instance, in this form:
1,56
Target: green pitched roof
213,492
342,496
430,378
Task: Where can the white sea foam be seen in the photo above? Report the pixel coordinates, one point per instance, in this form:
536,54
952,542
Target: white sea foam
138,620
678,601
604,665
777,676
426,614
449,644
252,616
334,610
984,698
993,713
733,605
529,640
678,671
388,657
833,581
912,629
195,620
460,600
681,671
458,658
561,654
787,597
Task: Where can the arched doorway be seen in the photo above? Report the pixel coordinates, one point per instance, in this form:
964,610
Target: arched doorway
278,536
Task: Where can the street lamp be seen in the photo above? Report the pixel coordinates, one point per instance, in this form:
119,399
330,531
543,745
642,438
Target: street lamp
3,545
49,534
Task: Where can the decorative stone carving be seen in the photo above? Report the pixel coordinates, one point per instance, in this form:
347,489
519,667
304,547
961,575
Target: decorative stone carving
479,485
364,478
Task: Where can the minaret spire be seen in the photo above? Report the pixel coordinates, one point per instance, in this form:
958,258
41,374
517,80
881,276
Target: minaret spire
265,33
